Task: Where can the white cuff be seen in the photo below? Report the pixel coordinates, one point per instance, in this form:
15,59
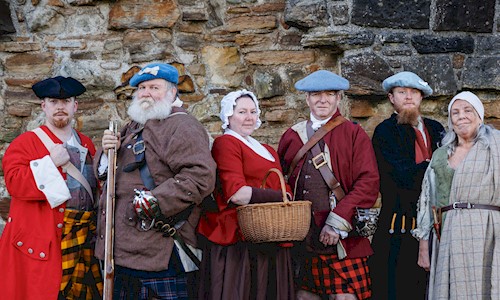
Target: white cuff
343,234
49,181
103,164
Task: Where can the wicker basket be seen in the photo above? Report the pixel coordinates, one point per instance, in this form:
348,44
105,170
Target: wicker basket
275,221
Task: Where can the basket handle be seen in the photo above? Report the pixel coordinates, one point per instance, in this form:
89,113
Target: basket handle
282,182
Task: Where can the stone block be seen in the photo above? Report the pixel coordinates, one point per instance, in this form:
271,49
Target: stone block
361,109
245,40
436,70
194,16
488,45
83,55
20,82
250,23
224,66
19,47
397,50
188,41
197,69
290,39
365,72
279,115
425,44
482,73
185,84
465,15
268,84
306,13
129,14
6,26
340,13
339,41
19,110
391,14
280,57
269,7
29,64
67,44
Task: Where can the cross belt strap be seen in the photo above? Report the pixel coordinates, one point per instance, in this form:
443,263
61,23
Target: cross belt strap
313,140
467,205
68,167
319,161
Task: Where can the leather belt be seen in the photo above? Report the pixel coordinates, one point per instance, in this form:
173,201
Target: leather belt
467,205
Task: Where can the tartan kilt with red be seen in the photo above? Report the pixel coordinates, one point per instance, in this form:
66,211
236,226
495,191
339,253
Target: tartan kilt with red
327,275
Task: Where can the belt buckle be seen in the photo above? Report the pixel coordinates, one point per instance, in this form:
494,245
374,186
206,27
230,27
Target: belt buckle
138,147
319,156
455,205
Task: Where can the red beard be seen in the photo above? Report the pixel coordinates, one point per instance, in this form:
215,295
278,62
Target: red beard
409,116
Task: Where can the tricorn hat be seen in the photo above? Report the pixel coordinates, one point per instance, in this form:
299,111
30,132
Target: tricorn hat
58,87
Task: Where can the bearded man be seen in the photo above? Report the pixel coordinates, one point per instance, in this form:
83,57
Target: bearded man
48,243
164,154
403,145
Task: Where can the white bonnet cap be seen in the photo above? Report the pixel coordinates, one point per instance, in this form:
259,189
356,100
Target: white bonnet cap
228,103
472,99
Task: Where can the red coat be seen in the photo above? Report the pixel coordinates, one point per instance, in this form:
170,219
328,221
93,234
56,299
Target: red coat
30,246
237,166
354,165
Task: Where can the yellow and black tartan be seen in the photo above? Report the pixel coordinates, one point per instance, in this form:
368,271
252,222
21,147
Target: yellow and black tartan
81,278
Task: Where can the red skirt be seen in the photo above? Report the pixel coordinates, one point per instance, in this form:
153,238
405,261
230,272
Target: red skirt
327,275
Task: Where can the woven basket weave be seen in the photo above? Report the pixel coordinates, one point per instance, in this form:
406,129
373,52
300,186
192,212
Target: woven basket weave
275,221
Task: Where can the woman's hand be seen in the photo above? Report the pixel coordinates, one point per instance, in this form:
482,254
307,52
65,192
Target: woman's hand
423,255
242,196
110,141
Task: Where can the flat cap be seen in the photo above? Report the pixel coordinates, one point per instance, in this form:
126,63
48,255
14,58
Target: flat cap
322,80
58,87
155,71
406,79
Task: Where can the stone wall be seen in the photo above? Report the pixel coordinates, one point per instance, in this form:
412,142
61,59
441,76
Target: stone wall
261,45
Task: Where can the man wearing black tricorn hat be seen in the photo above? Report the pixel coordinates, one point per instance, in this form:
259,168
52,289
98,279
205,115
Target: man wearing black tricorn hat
47,246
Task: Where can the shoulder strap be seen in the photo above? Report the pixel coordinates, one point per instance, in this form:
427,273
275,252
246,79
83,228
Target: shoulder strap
320,163
317,136
68,167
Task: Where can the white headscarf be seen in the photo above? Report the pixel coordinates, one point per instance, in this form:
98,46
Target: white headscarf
228,103
472,99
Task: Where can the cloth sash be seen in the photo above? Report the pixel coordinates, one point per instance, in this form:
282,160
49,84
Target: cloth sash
422,151
81,277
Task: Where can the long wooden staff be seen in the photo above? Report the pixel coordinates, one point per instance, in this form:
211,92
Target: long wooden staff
109,265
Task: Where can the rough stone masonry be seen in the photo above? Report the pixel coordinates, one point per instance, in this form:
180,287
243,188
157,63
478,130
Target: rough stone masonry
261,45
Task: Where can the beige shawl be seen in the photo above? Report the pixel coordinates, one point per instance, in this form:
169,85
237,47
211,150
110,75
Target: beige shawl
466,262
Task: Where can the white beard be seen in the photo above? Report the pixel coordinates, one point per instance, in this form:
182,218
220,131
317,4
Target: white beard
146,108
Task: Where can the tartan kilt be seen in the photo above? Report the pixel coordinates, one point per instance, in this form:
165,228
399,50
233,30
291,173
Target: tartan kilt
327,275
81,278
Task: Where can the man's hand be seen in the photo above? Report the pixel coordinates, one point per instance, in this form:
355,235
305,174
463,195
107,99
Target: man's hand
328,236
59,155
110,141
